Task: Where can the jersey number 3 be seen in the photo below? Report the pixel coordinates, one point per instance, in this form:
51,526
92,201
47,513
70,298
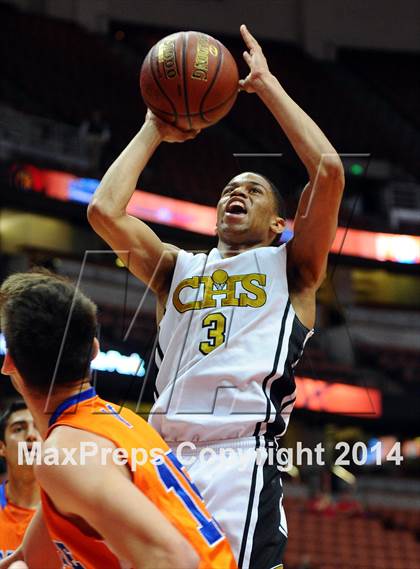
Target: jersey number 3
216,324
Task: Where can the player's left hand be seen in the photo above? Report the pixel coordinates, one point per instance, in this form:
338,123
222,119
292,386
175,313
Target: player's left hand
256,61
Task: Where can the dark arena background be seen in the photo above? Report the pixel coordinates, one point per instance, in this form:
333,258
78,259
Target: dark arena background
70,102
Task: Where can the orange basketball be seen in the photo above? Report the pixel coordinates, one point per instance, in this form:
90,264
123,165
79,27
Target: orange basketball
189,79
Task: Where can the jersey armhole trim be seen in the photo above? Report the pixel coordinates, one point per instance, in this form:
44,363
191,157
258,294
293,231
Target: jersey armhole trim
304,328
300,324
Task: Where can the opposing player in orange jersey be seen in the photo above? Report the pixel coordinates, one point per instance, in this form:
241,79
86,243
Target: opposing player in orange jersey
19,494
98,509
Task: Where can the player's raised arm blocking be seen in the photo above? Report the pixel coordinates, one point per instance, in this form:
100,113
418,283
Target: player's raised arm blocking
147,257
316,217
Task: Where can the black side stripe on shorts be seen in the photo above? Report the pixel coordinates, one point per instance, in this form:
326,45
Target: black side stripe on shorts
269,541
249,510
274,370
159,350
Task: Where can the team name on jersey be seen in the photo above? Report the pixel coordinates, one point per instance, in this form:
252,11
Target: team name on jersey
224,286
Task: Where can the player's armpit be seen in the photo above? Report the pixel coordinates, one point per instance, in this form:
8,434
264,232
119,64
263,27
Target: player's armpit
138,247
105,498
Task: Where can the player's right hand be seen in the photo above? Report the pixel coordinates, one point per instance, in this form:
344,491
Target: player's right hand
257,63
168,132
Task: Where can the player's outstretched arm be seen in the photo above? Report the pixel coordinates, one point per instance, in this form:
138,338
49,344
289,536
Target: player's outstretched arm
36,550
146,257
316,218
105,498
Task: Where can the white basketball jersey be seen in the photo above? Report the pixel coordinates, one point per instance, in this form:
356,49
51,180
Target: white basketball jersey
227,345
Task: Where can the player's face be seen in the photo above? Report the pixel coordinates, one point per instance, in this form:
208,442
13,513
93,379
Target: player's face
20,428
247,210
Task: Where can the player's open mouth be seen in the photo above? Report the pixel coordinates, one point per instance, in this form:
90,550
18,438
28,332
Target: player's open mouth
236,208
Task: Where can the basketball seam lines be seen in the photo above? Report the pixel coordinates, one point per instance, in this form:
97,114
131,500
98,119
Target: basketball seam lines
198,114
174,111
184,73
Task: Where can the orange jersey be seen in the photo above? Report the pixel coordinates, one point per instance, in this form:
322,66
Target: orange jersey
161,478
13,523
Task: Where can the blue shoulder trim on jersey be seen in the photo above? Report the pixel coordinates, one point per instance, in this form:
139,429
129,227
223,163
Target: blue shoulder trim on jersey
83,396
3,498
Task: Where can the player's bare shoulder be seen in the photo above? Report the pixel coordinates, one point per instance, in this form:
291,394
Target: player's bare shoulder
172,249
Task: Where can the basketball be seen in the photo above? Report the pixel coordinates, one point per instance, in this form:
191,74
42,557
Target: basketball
189,79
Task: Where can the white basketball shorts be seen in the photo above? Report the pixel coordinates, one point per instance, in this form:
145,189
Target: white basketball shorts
240,482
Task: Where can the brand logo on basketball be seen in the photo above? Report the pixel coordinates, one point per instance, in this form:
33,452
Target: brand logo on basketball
189,80
201,64
166,56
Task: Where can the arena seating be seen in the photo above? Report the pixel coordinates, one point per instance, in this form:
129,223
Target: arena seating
88,73
392,518
318,541
394,76
66,70
401,365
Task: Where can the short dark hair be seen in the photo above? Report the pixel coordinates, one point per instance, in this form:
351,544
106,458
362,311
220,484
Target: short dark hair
37,308
280,203
4,419
280,207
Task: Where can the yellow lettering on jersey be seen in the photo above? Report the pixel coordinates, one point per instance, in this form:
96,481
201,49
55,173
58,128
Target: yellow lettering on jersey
249,286
209,293
220,284
193,282
216,323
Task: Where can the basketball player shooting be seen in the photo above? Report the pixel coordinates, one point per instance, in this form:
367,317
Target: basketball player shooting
233,322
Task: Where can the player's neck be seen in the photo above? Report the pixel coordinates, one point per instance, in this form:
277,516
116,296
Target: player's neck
23,490
42,406
227,249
